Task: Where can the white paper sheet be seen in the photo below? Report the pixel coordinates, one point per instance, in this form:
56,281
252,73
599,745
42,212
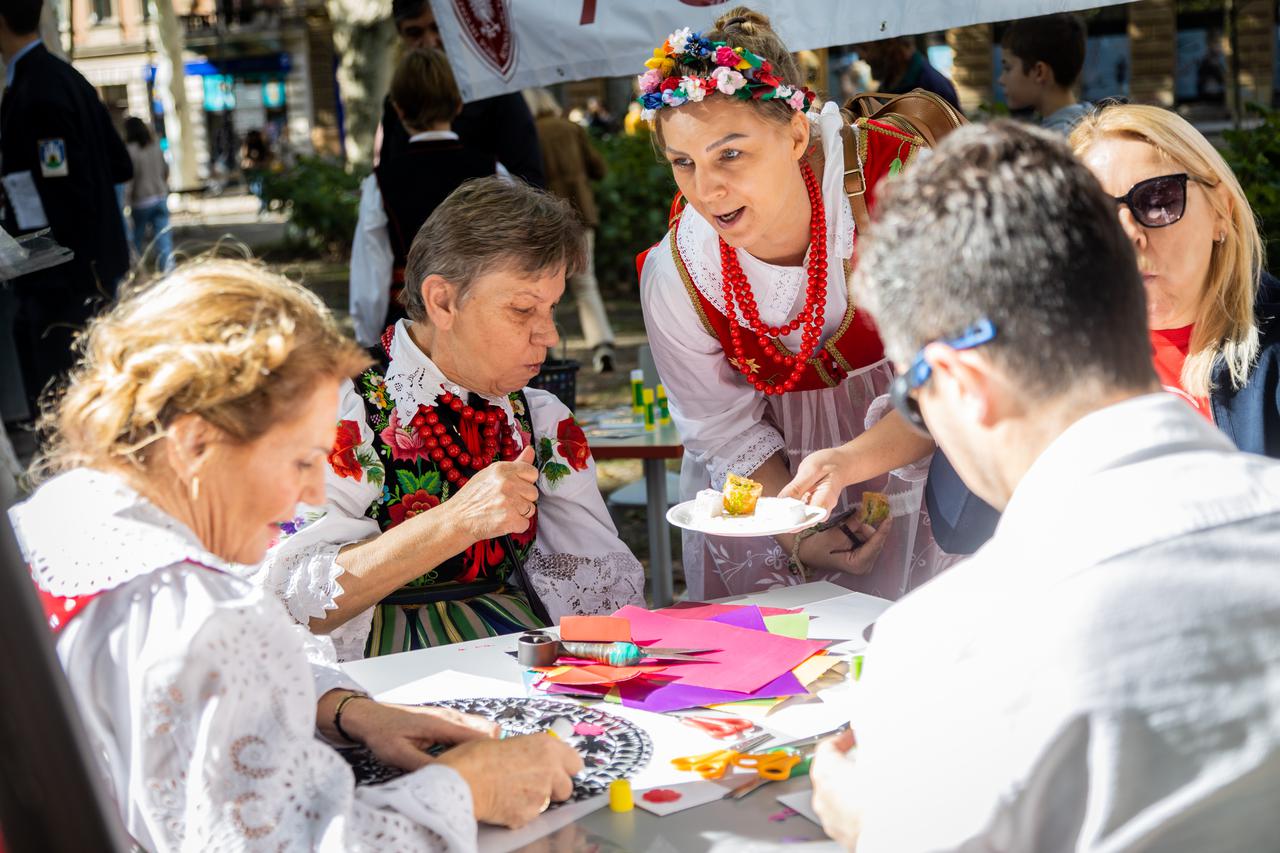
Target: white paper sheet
801,802
20,189
450,684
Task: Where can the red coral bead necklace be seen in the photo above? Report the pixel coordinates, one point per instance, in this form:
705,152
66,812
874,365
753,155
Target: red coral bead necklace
479,427
738,297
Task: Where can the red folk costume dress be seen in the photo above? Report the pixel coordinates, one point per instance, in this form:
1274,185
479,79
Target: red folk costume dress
728,425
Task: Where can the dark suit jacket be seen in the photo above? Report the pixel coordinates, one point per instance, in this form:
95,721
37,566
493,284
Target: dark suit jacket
501,127
51,100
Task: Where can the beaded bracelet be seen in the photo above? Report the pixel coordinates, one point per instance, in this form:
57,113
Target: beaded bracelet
337,715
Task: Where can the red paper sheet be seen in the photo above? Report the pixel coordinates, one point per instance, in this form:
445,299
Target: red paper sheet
745,661
706,610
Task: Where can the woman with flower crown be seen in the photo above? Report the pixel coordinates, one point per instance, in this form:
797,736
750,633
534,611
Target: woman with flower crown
765,358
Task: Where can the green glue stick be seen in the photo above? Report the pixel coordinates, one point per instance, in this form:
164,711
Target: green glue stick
664,413
637,392
647,397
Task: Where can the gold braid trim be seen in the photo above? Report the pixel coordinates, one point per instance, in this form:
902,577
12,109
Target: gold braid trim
689,286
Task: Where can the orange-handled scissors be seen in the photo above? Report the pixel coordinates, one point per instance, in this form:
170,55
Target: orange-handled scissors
776,766
709,765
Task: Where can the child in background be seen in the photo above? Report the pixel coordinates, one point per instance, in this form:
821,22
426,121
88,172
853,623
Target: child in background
1041,64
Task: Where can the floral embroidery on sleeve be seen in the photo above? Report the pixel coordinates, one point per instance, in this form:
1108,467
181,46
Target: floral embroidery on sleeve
349,459
570,445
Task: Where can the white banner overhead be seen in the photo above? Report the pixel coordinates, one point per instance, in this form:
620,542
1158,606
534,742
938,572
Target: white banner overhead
498,46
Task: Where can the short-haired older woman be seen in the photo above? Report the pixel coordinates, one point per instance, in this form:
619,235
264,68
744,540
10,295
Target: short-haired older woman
179,447
450,478
1211,309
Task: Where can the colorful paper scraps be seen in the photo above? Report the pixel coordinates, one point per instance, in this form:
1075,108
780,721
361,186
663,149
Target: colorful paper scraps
794,625
744,662
594,629
588,729
595,674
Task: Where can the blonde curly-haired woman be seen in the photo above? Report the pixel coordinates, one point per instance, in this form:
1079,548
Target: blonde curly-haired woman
178,448
1211,308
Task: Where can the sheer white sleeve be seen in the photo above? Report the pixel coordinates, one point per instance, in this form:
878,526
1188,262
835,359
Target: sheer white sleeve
195,690
371,263
577,564
721,420
303,568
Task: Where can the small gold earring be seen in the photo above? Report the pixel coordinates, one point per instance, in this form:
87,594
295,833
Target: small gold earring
195,488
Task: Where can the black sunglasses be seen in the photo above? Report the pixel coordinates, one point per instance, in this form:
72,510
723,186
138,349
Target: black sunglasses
1158,202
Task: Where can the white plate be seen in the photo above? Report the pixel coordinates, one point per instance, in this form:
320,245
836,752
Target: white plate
767,521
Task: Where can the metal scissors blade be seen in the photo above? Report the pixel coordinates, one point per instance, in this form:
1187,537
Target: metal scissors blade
674,654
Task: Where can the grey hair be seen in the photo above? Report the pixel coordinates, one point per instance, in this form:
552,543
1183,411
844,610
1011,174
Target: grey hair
1003,222
488,224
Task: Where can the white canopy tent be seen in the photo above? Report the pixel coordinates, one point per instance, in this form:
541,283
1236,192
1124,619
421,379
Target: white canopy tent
498,46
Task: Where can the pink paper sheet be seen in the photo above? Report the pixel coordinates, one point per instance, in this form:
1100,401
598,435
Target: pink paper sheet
707,610
745,660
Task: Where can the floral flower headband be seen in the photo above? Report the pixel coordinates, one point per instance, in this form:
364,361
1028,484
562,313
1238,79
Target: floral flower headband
688,67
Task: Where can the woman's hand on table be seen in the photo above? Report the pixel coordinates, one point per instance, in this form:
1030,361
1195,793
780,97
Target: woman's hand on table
835,785
834,549
498,500
399,735
820,478
514,780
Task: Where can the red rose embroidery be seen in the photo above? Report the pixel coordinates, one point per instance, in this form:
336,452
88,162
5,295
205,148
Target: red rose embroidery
343,456
572,444
406,444
410,505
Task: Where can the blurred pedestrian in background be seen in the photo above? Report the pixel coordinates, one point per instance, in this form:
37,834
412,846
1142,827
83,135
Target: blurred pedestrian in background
148,194
898,66
1041,63
572,162
61,159
406,186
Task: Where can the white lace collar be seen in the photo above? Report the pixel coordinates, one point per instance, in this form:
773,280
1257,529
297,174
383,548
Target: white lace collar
414,380
87,531
699,244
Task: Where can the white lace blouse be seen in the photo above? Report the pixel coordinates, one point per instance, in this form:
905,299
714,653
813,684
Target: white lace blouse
198,692
577,563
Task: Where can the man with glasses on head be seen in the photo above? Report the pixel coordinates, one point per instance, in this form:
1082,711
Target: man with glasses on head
1102,674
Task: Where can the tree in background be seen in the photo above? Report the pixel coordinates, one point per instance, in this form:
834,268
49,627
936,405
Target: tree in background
363,34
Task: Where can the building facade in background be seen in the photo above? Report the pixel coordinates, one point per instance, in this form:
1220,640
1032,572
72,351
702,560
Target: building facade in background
264,65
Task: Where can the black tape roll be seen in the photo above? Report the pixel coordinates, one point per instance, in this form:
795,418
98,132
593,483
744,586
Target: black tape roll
535,648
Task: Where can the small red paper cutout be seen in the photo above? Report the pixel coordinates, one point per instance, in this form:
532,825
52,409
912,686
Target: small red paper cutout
661,795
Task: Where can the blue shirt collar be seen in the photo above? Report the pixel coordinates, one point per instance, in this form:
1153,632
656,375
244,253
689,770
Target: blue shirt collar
13,63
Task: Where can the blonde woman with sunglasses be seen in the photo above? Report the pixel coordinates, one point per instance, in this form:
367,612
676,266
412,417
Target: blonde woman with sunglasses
1211,309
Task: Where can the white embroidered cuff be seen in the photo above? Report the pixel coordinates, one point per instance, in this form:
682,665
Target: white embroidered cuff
569,584
307,581
753,447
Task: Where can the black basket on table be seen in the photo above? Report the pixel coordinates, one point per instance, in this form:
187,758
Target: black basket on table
560,377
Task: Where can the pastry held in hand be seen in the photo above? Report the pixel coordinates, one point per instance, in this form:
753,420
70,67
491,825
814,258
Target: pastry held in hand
875,508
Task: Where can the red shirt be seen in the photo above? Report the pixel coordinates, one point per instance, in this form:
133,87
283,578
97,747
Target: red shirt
1169,351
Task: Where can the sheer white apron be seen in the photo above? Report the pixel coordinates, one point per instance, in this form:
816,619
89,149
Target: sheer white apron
810,421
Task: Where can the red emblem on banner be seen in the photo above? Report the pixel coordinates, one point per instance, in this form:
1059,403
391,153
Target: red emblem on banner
487,26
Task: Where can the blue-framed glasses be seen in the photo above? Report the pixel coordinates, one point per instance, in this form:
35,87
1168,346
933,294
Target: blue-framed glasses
981,332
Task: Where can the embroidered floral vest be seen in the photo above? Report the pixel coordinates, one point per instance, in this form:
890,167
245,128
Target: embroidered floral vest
415,484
